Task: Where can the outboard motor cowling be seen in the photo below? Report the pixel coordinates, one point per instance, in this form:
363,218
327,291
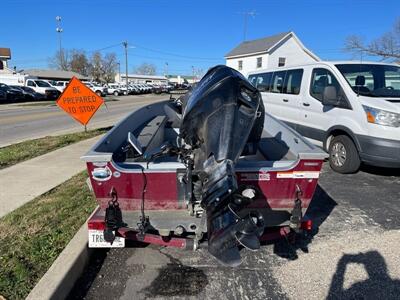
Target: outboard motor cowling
223,115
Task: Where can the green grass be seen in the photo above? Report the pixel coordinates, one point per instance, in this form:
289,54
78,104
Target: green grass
32,236
13,154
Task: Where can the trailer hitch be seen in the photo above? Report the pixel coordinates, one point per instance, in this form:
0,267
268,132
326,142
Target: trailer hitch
113,218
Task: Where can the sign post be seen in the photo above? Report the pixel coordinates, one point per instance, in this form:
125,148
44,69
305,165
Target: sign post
79,101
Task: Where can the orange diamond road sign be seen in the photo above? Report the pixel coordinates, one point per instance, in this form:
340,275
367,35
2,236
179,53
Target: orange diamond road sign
79,101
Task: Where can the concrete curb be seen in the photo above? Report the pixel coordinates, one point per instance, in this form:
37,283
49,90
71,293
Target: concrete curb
66,269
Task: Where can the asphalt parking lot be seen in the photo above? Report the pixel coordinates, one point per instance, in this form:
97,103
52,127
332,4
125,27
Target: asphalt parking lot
353,252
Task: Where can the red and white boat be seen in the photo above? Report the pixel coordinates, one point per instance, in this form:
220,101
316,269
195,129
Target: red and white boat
212,168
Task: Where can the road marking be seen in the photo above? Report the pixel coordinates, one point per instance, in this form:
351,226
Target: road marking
8,120
27,117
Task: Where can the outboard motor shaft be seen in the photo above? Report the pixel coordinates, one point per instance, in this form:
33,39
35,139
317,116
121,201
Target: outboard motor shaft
222,115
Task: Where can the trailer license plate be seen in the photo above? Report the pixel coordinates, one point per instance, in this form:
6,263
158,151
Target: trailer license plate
96,240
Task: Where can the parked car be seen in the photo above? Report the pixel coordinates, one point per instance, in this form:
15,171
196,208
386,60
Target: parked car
143,87
3,96
40,86
31,95
11,93
125,90
136,89
114,89
99,90
61,85
149,87
159,89
19,88
51,82
351,109
44,88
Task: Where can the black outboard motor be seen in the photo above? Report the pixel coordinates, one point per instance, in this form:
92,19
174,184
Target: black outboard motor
223,118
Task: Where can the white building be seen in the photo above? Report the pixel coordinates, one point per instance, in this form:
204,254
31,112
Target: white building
56,75
279,50
5,55
136,78
180,79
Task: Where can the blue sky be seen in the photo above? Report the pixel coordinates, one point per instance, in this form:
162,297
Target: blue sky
183,33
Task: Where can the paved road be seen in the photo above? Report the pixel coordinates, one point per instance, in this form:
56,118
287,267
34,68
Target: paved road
20,122
353,252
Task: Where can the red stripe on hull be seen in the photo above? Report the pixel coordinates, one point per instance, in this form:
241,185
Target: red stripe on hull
277,189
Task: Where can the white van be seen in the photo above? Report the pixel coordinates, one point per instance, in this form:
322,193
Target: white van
351,109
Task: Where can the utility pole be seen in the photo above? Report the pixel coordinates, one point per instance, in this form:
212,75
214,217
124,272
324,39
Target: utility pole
119,71
60,30
193,74
246,15
126,64
166,69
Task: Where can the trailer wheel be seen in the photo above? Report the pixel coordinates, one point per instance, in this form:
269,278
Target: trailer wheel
343,155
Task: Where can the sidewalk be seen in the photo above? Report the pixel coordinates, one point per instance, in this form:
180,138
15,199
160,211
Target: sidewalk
25,181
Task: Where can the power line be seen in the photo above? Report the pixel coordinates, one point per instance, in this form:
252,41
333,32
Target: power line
183,58
105,48
174,54
168,59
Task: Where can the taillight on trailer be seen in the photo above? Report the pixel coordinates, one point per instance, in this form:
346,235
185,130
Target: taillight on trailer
307,225
96,225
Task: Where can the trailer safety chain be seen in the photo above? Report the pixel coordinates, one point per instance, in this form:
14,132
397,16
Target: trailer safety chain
113,217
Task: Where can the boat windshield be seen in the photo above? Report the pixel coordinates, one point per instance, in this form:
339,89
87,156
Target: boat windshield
372,80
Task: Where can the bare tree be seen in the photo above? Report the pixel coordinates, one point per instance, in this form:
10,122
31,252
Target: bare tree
109,67
70,60
79,62
386,46
145,69
198,73
96,66
101,69
60,61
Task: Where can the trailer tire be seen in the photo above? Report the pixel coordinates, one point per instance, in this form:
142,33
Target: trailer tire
343,155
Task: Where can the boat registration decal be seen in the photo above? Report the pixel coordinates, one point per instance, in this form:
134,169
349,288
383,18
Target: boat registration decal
96,240
255,177
298,174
